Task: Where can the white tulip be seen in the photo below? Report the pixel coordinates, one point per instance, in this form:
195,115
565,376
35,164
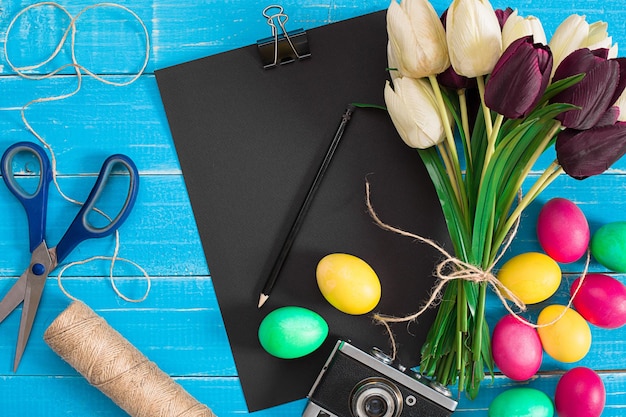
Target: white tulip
417,38
412,106
517,27
474,37
599,38
392,63
568,37
575,33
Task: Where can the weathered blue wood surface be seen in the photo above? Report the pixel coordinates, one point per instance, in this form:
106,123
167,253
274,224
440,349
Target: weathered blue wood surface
179,326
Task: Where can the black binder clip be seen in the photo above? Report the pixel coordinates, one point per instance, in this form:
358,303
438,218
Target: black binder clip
283,48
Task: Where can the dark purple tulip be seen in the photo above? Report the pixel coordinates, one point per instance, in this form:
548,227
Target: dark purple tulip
594,94
449,78
583,153
503,15
609,117
622,79
519,78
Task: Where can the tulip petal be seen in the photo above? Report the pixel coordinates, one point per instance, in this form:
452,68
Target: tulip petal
517,27
539,35
449,78
474,37
575,63
590,152
397,112
620,103
412,108
598,36
519,79
400,36
609,117
503,15
593,94
429,27
417,38
621,85
568,37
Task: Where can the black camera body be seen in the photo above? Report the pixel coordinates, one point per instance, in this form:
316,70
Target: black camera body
357,384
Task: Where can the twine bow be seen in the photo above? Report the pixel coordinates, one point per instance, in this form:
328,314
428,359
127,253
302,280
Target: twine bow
452,268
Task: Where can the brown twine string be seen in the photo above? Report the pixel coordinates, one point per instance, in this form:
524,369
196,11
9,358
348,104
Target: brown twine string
453,268
113,365
79,70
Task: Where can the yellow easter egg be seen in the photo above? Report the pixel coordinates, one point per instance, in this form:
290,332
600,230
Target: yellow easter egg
566,340
348,283
533,277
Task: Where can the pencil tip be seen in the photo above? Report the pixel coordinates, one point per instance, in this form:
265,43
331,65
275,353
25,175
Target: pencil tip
16,363
262,299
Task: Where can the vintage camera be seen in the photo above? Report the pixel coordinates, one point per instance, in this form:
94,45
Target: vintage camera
356,384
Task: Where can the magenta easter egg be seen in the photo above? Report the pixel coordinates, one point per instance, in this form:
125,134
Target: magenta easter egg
516,348
562,230
601,300
580,393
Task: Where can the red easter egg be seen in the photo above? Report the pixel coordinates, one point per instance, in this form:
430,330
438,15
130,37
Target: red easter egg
562,230
580,393
601,300
516,348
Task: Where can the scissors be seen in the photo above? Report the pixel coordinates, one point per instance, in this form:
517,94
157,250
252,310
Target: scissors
29,286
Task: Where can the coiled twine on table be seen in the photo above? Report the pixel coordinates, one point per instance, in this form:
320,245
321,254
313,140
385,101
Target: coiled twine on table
113,365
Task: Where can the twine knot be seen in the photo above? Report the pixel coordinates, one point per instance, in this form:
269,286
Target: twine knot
452,268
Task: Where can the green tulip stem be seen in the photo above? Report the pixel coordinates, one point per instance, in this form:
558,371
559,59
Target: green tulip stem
495,131
461,329
444,116
465,121
538,152
443,150
504,229
491,144
454,156
554,171
547,177
461,306
480,318
480,80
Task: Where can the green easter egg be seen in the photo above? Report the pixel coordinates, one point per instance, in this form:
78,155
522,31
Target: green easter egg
292,332
608,246
521,402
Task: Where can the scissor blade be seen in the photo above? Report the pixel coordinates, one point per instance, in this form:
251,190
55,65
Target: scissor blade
14,297
32,297
35,283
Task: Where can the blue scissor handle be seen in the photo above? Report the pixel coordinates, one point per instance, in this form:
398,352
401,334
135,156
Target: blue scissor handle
34,203
80,229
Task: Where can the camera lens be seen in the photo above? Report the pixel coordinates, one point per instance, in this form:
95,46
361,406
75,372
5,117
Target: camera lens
376,397
375,406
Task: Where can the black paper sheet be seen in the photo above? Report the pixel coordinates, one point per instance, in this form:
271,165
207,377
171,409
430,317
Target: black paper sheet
250,142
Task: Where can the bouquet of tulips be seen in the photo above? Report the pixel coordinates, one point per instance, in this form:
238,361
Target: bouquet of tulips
481,94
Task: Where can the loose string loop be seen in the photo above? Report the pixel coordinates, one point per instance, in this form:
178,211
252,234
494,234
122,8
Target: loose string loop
79,71
452,268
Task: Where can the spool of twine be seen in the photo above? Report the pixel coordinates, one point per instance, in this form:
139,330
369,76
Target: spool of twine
113,365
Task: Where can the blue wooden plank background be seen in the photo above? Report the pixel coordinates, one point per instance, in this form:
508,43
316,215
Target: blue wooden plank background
179,326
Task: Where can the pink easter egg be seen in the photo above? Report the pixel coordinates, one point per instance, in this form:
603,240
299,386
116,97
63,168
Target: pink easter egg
601,300
562,230
580,393
516,348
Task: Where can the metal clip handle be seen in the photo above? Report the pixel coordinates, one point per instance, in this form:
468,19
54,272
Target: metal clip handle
297,43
